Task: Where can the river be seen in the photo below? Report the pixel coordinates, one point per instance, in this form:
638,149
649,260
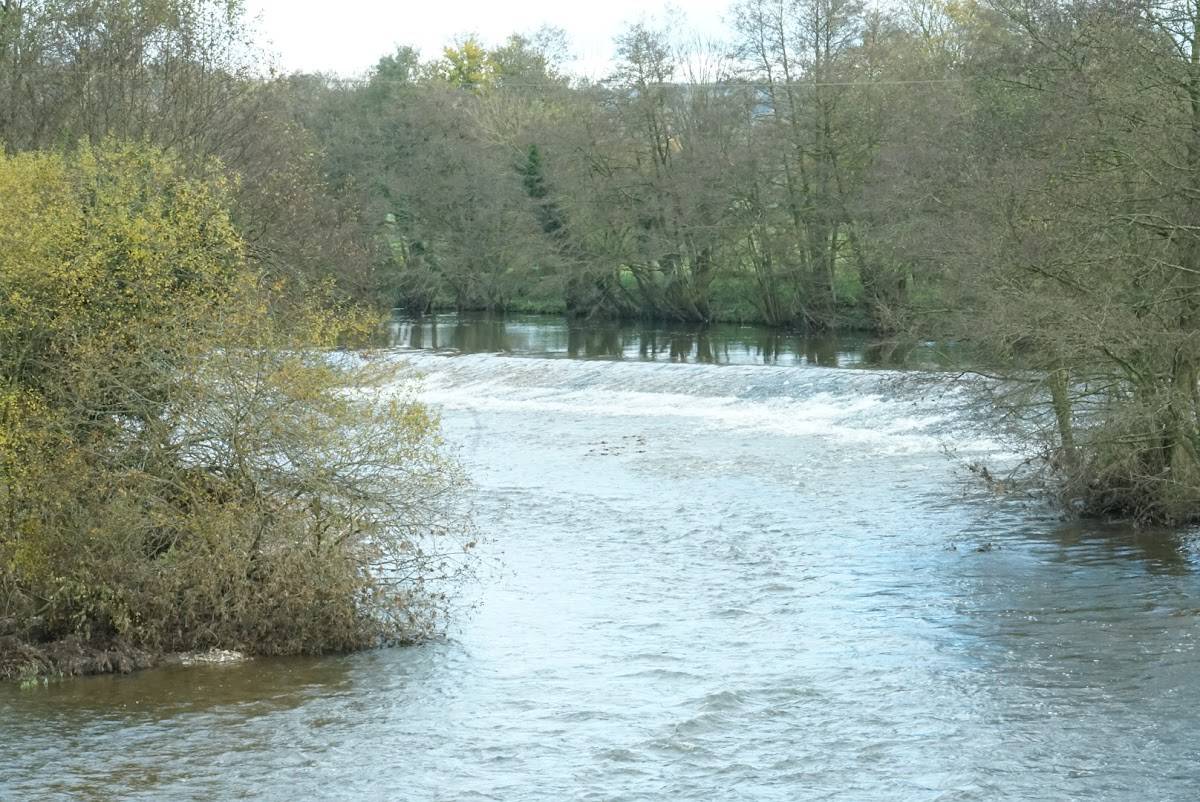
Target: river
737,566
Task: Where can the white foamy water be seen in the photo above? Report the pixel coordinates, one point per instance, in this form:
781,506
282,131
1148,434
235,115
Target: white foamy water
878,409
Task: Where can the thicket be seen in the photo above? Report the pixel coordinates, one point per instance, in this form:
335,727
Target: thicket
190,456
175,473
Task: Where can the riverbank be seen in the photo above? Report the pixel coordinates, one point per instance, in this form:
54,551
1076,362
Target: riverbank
24,660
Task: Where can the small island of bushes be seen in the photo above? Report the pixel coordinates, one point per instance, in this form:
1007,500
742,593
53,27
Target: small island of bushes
189,457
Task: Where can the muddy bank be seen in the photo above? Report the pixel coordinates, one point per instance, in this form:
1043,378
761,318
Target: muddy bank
77,657
71,657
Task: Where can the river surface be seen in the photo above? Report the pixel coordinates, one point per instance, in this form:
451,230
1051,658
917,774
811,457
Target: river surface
717,572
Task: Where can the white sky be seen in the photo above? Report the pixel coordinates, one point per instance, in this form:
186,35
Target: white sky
347,37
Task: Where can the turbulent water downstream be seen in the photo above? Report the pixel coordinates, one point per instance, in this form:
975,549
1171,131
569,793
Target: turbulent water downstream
720,571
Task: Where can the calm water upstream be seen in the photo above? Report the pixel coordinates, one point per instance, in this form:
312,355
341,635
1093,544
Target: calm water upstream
729,571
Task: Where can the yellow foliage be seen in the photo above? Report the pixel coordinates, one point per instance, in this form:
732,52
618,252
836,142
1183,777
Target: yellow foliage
100,248
468,65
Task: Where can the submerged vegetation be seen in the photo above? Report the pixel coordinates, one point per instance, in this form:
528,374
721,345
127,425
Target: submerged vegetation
186,240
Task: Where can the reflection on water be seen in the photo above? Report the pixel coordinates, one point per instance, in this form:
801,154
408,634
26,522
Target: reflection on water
1159,550
272,684
546,336
720,582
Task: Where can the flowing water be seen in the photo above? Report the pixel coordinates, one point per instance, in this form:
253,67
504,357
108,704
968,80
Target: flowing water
723,570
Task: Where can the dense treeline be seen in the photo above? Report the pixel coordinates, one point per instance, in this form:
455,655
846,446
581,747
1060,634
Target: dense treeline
1020,175
822,167
757,179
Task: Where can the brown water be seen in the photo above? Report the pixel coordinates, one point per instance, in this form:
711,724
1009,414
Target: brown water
719,582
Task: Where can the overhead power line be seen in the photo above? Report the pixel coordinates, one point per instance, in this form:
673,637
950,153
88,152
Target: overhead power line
766,85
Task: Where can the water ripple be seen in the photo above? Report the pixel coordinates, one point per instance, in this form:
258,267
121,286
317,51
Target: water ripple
720,583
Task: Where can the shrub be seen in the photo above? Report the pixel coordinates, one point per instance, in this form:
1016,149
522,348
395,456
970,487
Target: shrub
186,458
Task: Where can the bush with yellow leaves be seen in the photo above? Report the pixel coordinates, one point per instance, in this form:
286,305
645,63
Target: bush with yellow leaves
188,460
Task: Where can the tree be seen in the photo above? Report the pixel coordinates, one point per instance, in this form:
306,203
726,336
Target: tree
467,66
804,54
1078,273
185,76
